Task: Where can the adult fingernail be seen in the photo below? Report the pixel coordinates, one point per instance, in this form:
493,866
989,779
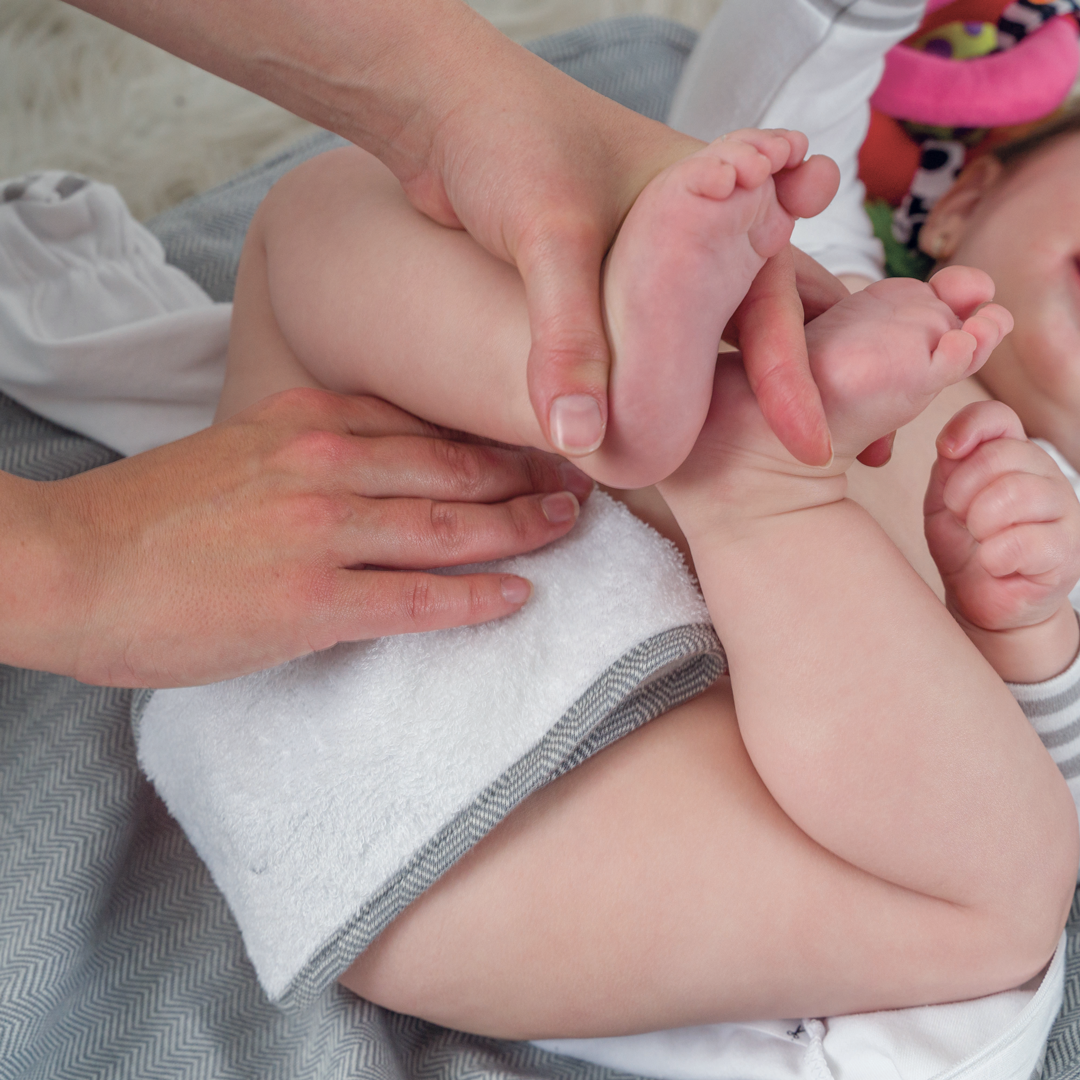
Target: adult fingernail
575,481
576,424
516,590
560,507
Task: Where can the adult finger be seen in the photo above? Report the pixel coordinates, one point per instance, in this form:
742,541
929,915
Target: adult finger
305,407
362,414
377,603
569,358
420,534
817,288
448,470
770,323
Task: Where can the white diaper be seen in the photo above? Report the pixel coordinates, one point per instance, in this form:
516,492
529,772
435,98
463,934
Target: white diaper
327,794
1000,1037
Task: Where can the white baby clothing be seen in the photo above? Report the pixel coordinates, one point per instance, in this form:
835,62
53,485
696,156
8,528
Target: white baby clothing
810,65
97,332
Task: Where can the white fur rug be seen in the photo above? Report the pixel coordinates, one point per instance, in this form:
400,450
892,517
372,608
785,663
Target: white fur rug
78,94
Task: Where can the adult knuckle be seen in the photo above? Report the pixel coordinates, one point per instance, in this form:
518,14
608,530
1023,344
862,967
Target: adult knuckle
478,598
298,402
320,448
320,512
316,590
538,473
418,599
519,522
467,466
447,528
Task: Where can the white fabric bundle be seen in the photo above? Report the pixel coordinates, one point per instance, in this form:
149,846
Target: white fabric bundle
1000,1037
97,332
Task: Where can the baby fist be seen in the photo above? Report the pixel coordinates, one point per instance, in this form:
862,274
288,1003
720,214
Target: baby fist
1003,525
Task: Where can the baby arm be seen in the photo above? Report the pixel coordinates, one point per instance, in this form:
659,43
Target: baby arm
1003,526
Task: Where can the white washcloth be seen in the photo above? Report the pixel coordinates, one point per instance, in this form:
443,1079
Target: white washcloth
326,794
97,332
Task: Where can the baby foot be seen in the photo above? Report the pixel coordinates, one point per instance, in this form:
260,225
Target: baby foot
879,357
684,259
882,355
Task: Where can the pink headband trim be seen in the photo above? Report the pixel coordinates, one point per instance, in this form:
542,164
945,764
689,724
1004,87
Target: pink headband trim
1014,87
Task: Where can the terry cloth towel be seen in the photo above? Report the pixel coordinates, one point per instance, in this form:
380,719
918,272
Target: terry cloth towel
97,332
328,793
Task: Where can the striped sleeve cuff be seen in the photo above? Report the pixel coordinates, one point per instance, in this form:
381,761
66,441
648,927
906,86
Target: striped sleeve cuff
1053,708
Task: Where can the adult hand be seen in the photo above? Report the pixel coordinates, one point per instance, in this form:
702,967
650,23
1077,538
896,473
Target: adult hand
790,290
301,522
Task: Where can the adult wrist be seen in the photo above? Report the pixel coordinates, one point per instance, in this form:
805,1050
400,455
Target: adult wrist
377,73
40,615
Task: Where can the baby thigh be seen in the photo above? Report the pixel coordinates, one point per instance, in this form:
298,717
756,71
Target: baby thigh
344,285
660,885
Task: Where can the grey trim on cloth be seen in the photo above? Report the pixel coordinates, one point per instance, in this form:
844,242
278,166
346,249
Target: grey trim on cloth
119,959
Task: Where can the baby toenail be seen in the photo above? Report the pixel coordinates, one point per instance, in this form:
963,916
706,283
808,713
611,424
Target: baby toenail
577,426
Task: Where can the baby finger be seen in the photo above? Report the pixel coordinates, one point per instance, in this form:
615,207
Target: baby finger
1039,551
979,422
1015,498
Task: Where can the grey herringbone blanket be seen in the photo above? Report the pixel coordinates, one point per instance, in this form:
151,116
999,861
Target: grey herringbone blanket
118,957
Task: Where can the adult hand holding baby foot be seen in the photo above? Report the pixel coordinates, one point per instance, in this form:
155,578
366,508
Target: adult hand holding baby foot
485,136
300,522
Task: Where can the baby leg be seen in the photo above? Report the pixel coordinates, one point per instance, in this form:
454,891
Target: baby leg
860,819
343,284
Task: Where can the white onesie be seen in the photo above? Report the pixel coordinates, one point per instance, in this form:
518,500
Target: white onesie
810,65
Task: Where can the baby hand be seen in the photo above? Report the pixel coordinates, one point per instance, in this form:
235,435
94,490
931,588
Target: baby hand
1003,526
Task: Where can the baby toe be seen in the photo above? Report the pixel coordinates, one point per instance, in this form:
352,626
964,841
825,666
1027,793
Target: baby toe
963,288
954,356
754,159
806,190
988,326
